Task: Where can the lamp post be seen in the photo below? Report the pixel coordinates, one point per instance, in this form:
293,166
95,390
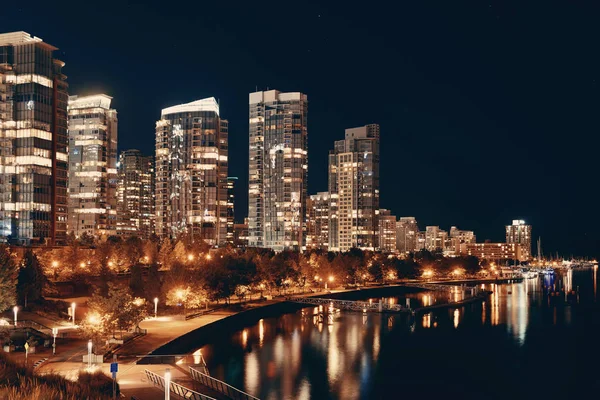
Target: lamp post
15,310
54,333
168,384
155,306
89,353
73,312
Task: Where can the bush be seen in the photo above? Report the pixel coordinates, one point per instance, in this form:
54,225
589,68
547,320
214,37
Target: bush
18,382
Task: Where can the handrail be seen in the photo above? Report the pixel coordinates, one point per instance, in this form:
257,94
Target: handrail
220,386
204,312
176,388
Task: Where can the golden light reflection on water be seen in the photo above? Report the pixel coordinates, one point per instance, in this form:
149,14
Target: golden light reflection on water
595,278
261,332
427,320
456,318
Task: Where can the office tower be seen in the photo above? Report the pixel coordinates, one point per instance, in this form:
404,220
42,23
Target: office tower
317,221
459,240
277,170
92,166
387,231
191,172
135,194
354,189
406,234
520,233
231,180
33,141
435,238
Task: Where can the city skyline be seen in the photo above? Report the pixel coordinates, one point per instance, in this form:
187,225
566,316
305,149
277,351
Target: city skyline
479,207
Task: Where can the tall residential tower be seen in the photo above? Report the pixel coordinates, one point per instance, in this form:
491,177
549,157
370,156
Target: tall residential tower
92,166
191,172
33,141
277,170
520,233
354,190
135,194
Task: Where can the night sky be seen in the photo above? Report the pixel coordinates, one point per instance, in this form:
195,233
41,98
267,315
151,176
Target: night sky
488,109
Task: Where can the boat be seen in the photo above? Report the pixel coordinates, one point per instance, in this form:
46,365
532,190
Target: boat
548,271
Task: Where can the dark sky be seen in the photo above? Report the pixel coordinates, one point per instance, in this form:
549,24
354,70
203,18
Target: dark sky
488,109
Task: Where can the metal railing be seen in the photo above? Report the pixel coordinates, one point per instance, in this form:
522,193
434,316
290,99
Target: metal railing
34,325
220,386
176,388
204,312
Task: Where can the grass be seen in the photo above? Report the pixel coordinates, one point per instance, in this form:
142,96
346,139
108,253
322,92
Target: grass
20,383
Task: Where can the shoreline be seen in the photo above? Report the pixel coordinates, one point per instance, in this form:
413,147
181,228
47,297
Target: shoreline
201,336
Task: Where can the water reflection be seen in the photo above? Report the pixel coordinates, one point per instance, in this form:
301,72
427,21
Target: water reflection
294,357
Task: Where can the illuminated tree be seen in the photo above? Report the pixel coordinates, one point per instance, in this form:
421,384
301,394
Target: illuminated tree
8,279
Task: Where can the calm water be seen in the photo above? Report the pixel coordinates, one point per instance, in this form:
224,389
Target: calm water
515,345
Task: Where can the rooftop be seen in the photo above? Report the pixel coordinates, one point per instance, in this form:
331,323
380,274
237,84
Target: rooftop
21,37
208,104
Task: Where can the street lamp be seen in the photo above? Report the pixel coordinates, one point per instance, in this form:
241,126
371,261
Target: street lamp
15,310
54,333
330,280
54,264
190,257
73,312
208,256
155,306
168,384
89,353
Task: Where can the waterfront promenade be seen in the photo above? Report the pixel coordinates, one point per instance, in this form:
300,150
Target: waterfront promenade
163,330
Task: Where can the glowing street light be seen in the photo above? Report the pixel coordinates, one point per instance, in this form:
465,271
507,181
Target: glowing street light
82,264
330,280
73,312
54,333
54,264
110,264
208,257
168,384
155,306
15,310
190,257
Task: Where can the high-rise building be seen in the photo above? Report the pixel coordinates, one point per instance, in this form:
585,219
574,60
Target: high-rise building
387,231
277,170
135,194
420,241
435,238
92,166
354,190
191,172
406,234
33,141
317,221
520,233
459,240
231,180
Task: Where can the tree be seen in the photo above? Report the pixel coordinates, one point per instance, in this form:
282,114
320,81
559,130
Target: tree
118,310
8,279
134,250
153,283
86,240
164,254
136,281
31,279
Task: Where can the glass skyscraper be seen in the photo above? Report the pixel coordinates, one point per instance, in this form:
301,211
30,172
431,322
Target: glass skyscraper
278,169
191,172
135,194
33,141
92,166
354,190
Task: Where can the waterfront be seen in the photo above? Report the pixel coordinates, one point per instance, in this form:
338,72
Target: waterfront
513,344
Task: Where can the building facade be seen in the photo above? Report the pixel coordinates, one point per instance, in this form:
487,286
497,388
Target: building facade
191,172
406,234
387,231
278,167
435,238
240,234
354,190
519,232
135,194
231,180
92,166
33,141
459,240
496,251
317,221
